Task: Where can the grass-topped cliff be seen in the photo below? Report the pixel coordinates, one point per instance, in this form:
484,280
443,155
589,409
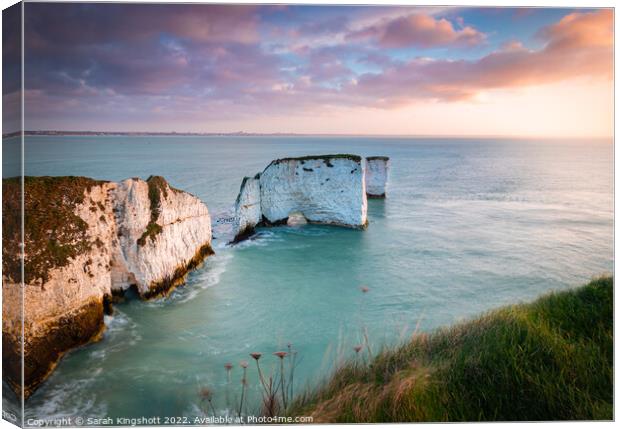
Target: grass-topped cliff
53,232
325,158
158,189
548,360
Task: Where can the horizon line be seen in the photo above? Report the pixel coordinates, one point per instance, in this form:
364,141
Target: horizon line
284,134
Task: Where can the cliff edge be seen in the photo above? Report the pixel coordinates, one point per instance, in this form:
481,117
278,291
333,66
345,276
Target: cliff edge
86,240
548,360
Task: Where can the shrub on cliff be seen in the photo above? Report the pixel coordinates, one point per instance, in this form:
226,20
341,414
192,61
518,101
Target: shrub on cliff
548,360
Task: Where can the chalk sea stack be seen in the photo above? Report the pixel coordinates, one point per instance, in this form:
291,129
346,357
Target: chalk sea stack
377,170
248,212
326,189
86,240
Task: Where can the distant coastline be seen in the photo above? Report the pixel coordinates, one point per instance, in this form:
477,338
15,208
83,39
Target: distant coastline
290,134
137,133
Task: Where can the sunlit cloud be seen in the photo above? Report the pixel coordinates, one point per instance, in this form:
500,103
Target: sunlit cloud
581,44
223,68
418,30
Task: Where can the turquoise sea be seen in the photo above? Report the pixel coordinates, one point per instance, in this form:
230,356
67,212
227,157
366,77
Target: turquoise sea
468,225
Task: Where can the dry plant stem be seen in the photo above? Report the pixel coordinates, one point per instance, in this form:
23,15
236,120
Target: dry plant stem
228,395
290,368
270,400
292,373
367,343
282,383
260,376
228,380
243,385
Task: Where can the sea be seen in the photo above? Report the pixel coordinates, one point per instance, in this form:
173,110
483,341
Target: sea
468,225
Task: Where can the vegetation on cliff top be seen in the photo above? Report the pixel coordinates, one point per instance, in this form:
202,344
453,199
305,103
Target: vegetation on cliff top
325,158
157,187
548,360
53,233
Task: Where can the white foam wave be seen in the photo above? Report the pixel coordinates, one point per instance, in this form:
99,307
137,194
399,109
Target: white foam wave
68,399
261,239
118,324
207,276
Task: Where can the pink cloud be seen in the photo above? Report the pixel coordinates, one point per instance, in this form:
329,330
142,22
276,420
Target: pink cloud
418,30
580,45
221,23
581,30
210,63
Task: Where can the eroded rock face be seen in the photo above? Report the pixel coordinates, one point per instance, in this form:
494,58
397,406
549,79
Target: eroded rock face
84,240
162,233
327,189
247,208
377,170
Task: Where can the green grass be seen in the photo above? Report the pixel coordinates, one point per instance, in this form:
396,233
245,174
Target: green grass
325,158
158,188
54,234
548,360
151,231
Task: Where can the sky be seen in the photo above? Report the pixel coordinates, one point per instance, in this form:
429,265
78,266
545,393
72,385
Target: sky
317,69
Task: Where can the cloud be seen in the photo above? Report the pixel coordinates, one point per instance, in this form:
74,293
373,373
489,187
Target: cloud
580,45
199,62
581,30
417,30
51,24
333,25
153,50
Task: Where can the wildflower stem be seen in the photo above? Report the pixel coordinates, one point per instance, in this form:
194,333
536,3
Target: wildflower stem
291,364
243,384
282,383
260,376
367,343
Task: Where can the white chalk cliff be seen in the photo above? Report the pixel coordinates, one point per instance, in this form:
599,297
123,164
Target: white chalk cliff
377,170
247,208
181,228
86,240
328,189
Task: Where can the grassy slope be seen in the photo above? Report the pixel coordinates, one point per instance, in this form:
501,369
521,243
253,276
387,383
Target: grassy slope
548,360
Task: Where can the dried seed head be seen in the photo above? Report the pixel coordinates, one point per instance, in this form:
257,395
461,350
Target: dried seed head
206,393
